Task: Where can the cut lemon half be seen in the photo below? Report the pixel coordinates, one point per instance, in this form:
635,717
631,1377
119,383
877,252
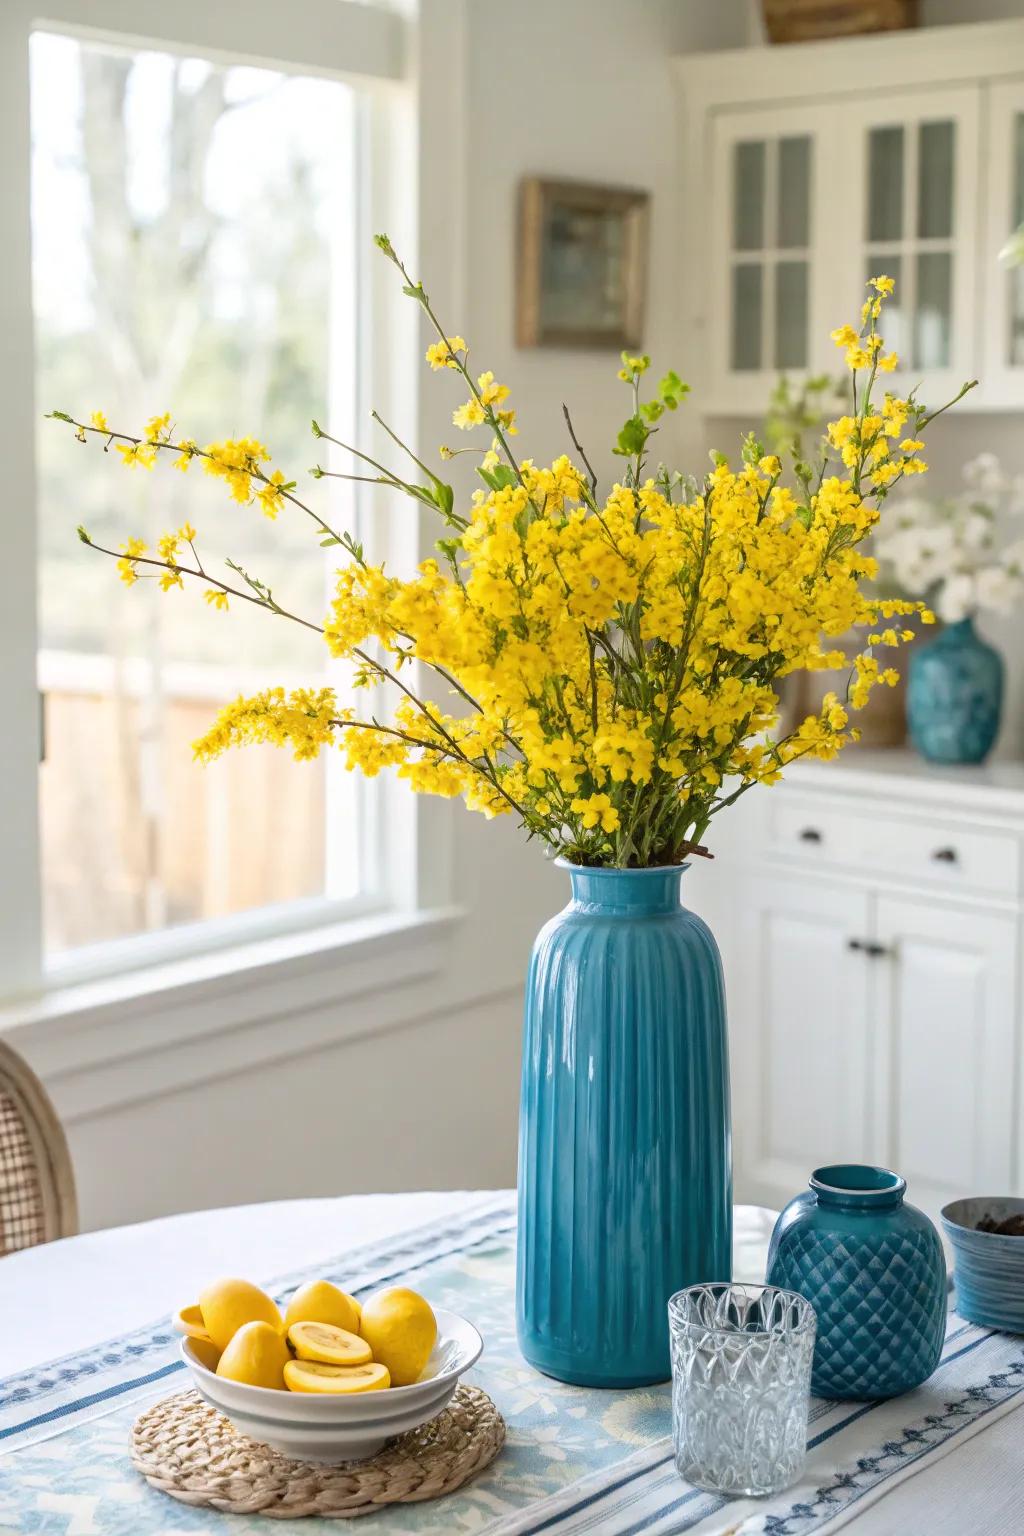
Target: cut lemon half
189,1321
315,1376
328,1344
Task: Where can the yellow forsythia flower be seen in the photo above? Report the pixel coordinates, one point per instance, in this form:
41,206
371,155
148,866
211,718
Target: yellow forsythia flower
469,415
269,496
134,454
156,427
439,354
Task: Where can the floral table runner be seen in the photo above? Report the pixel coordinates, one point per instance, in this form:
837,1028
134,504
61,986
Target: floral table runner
576,1460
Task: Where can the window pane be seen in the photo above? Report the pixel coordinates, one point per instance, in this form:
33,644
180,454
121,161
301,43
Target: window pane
893,324
934,309
746,317
186,256
885,184
1015,277
935,181
748,196
794,214
791,314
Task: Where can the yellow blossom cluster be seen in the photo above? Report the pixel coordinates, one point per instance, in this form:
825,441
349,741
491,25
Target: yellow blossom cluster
610,664
303,720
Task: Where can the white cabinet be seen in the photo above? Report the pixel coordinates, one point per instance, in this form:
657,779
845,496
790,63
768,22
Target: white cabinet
808,170
872,934
913,214
947,999
801,1061
1003,350
769,313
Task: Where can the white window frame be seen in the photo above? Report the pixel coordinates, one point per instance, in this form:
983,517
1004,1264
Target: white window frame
409,852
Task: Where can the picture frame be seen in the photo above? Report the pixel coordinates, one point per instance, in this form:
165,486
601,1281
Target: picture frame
581,277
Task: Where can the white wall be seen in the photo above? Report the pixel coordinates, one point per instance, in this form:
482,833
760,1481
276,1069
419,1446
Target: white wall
579,88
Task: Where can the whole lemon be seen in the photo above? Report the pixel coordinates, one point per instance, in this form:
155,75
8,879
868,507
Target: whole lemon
401,1330
227,1304
257,1354
321,1302
206,1352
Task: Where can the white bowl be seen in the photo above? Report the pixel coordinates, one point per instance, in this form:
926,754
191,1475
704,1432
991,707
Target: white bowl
326,1427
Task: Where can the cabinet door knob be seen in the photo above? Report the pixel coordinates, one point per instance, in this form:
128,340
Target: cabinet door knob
869,947
945,855
810,835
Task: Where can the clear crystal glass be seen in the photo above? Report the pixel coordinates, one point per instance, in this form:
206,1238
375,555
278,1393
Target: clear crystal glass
741,1378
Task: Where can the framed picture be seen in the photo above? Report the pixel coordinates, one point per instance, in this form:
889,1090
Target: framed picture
582,265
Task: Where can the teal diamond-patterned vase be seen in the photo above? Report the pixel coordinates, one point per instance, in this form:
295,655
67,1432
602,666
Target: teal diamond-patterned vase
873,1269
955,696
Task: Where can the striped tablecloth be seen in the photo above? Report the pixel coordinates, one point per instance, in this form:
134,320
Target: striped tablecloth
944,1458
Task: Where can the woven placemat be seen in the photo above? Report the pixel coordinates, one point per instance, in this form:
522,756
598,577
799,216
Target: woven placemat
187,1449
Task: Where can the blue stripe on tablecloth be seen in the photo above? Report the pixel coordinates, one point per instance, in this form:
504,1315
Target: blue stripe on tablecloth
651,1472
80,1403
374,1264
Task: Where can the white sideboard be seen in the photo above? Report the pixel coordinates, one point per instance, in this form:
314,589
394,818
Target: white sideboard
870,914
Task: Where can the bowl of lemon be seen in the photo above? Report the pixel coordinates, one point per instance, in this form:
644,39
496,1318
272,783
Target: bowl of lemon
329,1379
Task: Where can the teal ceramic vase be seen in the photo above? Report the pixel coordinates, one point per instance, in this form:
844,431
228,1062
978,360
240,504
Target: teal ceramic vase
873,1269
625,1186
955,696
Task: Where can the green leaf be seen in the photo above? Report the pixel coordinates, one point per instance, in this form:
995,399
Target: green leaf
450,549
804,515
652,410
414,290
753,448
59,416
83,535
632,438
328,542
672,390
444,496
315,429
498,479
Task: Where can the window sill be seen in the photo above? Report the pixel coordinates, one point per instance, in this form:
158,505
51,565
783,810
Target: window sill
123,1038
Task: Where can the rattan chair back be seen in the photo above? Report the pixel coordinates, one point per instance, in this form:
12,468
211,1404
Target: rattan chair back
37,1187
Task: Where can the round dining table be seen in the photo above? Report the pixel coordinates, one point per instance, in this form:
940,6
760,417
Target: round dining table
85,1345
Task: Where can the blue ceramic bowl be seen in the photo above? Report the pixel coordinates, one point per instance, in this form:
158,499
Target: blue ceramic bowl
988,1267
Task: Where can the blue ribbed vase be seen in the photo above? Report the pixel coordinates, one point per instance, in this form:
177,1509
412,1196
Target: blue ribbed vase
955,696
873,1269
625,1186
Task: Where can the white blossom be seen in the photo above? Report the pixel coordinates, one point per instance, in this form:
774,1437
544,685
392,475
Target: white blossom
957,599
947,551
997,588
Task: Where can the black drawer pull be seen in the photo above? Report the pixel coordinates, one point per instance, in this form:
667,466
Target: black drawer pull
945,855
869,947
810,835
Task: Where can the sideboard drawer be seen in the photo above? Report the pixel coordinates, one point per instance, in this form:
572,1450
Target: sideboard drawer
953,857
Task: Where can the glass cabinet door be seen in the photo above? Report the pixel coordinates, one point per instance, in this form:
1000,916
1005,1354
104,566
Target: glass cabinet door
764,321
1002,256
917,203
